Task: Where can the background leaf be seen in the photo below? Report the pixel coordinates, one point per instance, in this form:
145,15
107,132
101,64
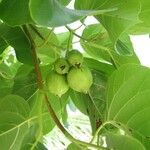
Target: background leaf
122,142
72,146
51,13
15,12
25,84
6,80
16,38
3,45
64,2
128,100
48,49
115,22
15,104
14,122
99,66
58,104
99,46
63,38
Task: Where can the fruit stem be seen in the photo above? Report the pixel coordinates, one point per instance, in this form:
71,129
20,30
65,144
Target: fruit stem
69,41
50,109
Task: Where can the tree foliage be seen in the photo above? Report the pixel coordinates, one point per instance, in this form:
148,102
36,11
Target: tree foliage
118,101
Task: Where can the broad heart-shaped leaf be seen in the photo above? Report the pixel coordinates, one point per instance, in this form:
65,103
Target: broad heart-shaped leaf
123,142
14,121
3,45
52,14
15,104
15,12
16,38
119,77
99,46
25,84
115,22
13,128
128,100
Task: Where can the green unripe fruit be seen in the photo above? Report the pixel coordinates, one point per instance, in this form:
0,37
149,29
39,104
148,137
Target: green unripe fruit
75,58
80,79
57,84
61,66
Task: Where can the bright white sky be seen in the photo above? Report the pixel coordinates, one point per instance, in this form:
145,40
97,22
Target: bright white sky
141,43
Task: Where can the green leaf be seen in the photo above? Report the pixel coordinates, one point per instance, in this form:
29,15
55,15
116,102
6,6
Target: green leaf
15,12
18,40
48,50
25,84
145,10
73,146
64,2
144,26
124,45
99,66
58,105
64,38
15,104
3,45
119,77
96,34
30,142
140,28
100,47
6,80
97,93
79,100
85,104
117,22
122,142
52,14
13,128
128,99
120,60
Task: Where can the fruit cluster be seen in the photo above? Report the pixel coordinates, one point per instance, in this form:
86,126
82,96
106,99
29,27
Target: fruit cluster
69,72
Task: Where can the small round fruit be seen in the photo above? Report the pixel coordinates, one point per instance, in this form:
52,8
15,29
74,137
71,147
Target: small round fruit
61,66
75,58
57,84
80,79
